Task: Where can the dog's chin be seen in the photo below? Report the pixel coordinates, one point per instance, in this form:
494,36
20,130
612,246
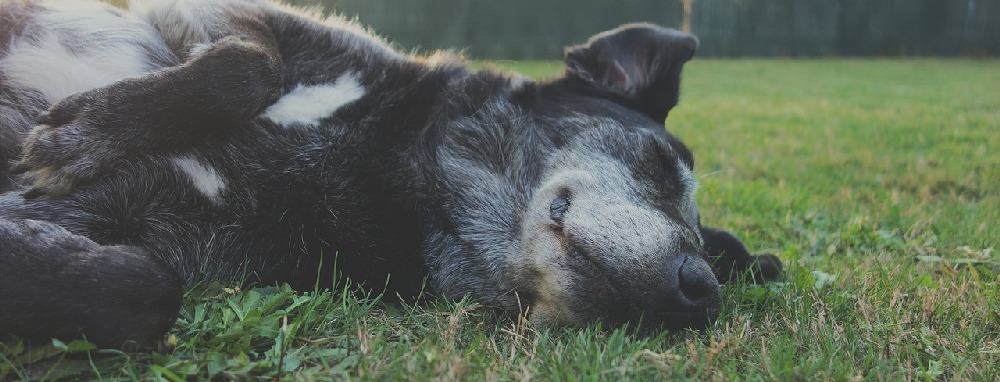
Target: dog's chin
688,320
651,325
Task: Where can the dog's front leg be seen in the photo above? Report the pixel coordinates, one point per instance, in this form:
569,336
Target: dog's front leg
234,77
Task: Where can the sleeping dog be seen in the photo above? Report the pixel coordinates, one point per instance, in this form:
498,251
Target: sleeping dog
189,140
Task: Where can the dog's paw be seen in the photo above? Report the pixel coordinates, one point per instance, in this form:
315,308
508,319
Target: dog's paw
766,268
77,140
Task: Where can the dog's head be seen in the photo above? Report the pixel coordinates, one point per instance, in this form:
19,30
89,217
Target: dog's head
568,199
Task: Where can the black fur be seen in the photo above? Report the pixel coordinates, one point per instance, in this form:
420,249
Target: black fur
58,284
184,174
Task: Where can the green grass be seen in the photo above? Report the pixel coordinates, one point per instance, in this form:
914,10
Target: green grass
876,181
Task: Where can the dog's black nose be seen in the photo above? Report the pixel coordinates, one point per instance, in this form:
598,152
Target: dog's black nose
691,297
696,284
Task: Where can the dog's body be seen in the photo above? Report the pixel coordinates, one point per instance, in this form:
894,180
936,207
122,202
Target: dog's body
196,140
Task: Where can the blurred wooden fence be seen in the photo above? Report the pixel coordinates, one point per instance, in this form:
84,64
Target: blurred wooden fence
847,27
500,29
517,29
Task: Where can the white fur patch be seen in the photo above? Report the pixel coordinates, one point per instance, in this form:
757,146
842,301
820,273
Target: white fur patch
308,104
203,177
198,49
55,69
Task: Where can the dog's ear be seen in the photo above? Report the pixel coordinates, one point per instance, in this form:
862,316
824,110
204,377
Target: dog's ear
640,63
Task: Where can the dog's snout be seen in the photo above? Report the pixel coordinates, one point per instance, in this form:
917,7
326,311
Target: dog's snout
689,295
696,285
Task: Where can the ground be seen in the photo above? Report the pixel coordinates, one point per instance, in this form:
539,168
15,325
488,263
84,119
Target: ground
875,181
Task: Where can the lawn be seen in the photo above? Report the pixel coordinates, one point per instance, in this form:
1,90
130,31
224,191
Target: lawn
875,181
